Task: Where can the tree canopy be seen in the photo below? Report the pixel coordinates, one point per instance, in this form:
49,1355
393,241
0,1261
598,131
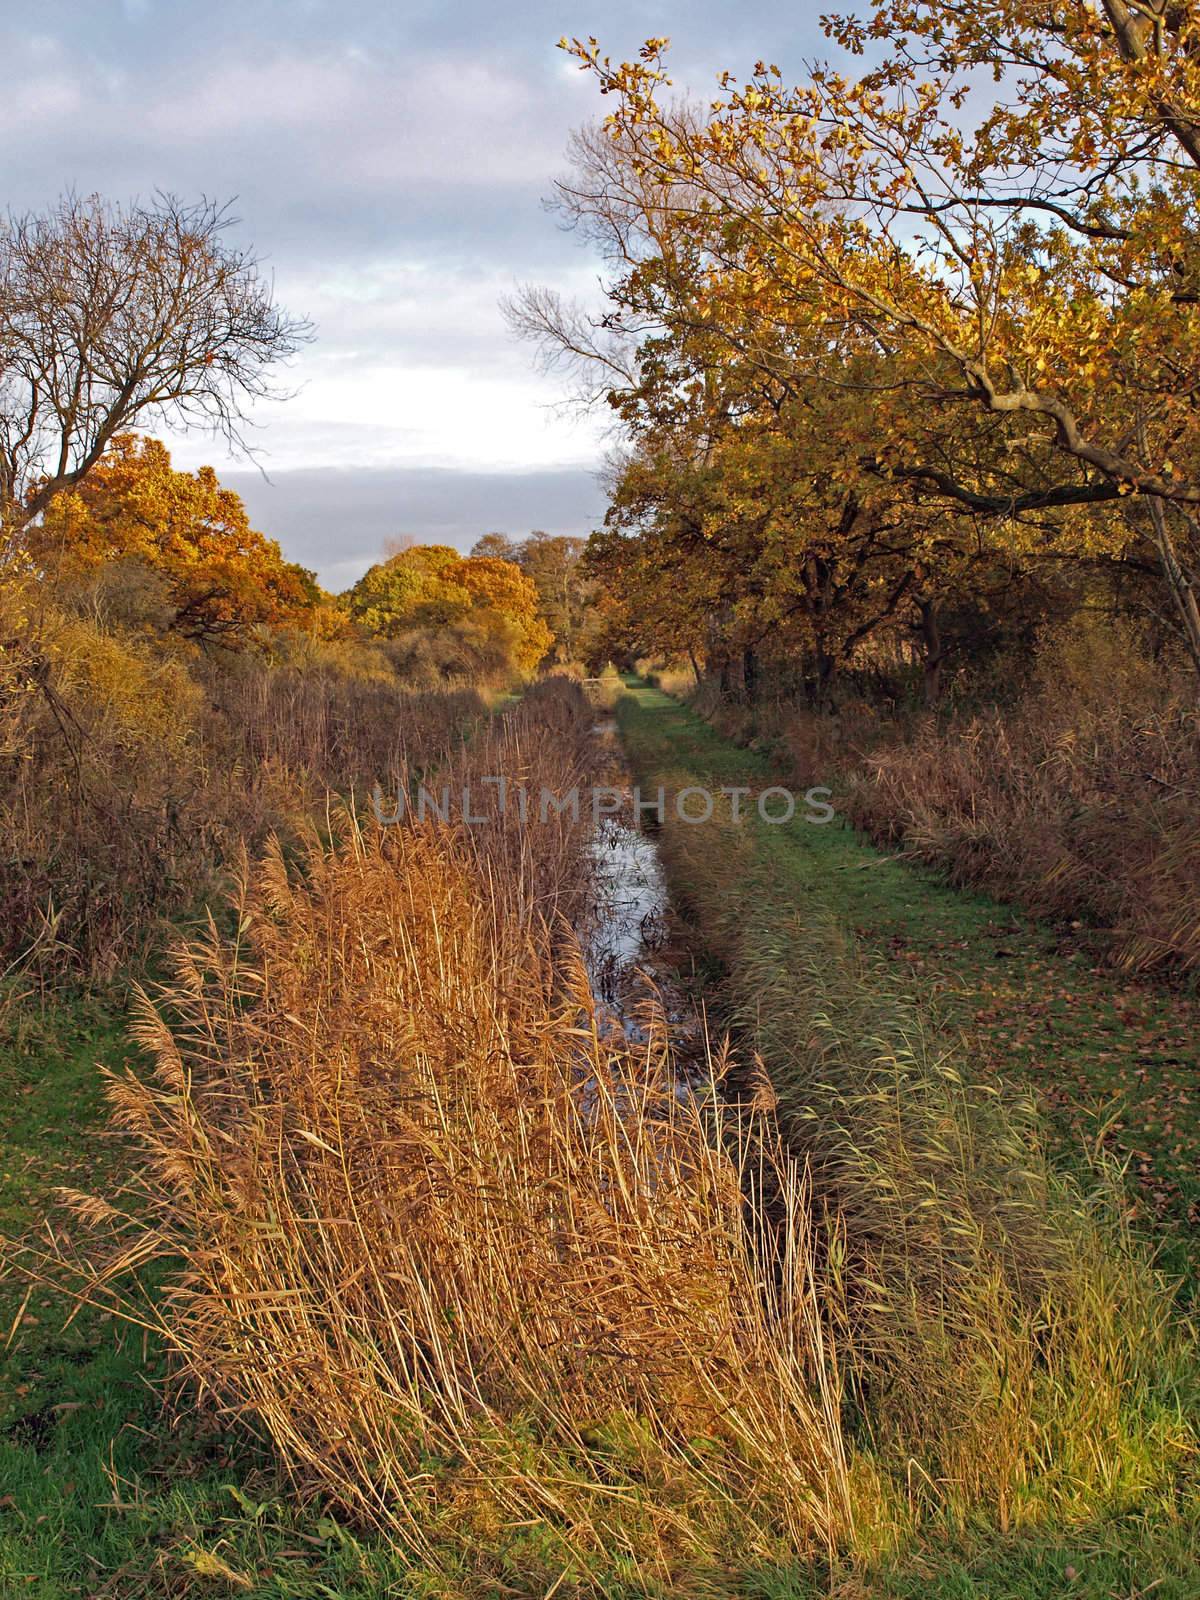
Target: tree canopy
219,579
902,337
433,587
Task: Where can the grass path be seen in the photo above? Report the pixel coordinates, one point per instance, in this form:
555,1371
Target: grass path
999,998
1111,1060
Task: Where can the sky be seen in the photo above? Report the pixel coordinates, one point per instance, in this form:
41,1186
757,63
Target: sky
389,161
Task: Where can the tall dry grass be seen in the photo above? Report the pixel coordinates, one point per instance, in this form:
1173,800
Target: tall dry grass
329,730
1078,798
486,1278
1074,811
480,1274
132,767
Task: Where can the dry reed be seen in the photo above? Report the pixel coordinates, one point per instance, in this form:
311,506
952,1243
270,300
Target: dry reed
132,769
467,1264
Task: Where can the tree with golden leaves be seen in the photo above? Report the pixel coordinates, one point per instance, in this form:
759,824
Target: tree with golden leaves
435,588
1026,250
220,580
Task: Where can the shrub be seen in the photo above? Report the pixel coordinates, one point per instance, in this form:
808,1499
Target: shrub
1079,798
133,765
1082,801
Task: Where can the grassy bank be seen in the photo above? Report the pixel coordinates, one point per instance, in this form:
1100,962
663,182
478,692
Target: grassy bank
1111,1060
1016,1387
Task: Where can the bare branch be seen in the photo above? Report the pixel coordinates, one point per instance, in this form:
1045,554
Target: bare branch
119,317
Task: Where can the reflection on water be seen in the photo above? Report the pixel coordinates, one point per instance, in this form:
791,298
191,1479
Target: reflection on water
629,920
624,945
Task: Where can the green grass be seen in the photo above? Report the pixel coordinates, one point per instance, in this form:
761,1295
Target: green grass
1112,1061
100,1493
837,962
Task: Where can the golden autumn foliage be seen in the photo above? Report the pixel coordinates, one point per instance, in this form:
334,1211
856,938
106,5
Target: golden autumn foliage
219,579
945,289
487,604
171,686
1010,239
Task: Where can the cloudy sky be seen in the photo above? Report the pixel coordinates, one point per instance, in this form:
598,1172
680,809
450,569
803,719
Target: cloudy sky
389,159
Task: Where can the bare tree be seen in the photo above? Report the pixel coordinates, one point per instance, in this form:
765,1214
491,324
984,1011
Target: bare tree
114,316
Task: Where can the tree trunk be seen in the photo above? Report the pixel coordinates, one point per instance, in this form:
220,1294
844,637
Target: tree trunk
749,672
932,652
1178,581
822,683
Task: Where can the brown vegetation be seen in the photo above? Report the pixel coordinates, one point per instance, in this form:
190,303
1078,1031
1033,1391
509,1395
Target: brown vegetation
132,768
467,1261
1078,799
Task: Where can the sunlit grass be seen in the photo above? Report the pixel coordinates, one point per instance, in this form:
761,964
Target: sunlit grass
480,1298
1012,1360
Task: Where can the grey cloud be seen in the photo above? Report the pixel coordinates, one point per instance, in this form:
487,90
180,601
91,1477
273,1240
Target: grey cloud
336,520
341,127
389,158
